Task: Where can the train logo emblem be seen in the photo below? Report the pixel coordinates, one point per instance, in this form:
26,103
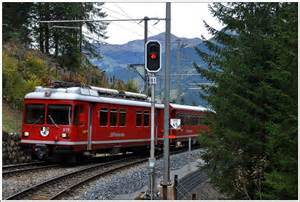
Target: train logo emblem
44,131
175,123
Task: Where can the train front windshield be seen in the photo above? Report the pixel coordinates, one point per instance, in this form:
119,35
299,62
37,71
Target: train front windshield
35,113
56,114
59,114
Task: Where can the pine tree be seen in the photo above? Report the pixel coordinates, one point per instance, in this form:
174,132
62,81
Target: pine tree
68,45
253,65
15,22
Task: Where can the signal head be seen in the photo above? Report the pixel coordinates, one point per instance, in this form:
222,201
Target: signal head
152,56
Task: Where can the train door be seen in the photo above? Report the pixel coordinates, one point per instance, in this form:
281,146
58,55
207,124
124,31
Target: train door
90,126
85,126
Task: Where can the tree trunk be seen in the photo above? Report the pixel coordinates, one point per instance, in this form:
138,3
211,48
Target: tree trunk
47,39
56,44
41,39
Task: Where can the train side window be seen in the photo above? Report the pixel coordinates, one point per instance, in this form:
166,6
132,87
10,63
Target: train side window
181,117
103,116
122,117
188,120
113,117
76,114
146,118
138,118
199,120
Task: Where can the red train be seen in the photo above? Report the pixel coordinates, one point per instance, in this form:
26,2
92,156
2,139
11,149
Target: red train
77,120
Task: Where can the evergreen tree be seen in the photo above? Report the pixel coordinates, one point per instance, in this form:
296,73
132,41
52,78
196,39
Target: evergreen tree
15,22
252,152
67,44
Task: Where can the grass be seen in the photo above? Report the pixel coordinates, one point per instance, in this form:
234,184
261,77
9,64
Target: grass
11,118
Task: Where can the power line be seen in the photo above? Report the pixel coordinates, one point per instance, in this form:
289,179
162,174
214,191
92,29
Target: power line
102,20
139,24
127,15
128,30
118,13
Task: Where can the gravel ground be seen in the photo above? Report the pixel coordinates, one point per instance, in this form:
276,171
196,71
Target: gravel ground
129,181
14,184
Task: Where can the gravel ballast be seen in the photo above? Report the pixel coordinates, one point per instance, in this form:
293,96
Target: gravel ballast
13,184
124,184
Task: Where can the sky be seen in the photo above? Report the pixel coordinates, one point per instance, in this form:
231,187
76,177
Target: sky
186,20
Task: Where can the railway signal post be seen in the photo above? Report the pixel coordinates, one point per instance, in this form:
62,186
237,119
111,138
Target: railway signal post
166,173
152,65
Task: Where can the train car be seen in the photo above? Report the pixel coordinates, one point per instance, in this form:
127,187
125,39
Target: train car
87,119
192,122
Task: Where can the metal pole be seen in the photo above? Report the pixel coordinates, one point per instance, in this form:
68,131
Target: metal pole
190,148
145,41
152,81
177,68
166,171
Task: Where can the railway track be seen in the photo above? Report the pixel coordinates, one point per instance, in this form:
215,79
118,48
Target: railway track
58,186
9,170
22,165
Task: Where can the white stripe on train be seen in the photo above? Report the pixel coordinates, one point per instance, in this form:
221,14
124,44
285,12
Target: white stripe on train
95,142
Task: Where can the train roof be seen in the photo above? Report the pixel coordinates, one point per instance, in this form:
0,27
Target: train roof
83,94
187,107
93,95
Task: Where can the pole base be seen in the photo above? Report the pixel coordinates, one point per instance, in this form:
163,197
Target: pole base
167,192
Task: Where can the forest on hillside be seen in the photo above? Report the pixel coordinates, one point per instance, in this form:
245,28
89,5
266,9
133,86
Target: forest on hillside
37,53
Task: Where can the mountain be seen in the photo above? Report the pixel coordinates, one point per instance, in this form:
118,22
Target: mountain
117,58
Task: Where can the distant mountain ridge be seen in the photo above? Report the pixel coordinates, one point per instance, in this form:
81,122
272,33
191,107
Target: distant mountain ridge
117,58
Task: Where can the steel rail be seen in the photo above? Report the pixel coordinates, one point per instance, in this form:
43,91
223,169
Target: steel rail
23,194
86,180
15,171
22,164
65,191
28,191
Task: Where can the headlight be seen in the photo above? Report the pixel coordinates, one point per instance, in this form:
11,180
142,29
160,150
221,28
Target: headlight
26,134
64,135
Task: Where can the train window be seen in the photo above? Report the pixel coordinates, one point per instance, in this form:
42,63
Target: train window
199,120
103,116
188,120
146,118
181,117
34,113
113,117
76,114
138,118
59,114
122,117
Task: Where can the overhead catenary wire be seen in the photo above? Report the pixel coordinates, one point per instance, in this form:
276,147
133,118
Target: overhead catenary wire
118,13
126,29
100,20
128,16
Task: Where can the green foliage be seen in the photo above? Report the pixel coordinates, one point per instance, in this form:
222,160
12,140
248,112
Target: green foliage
131,86
252,153
22,24
15,22
23,70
